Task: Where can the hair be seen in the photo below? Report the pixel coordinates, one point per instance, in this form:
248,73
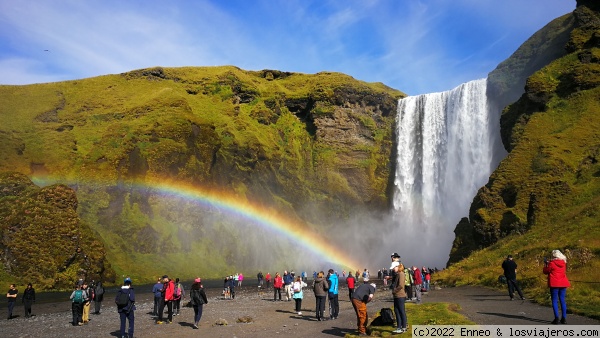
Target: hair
177,280
559,255
127,282
321,274
298,279
330,271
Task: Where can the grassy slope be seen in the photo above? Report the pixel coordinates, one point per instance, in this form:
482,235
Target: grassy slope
210,126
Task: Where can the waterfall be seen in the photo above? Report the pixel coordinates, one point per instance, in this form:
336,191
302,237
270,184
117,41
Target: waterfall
448,145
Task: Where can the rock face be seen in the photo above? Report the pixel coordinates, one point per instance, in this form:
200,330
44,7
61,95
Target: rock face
43,239
551,132
316,147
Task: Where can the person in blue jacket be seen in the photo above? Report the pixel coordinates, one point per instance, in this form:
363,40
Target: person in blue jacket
334,305
126,312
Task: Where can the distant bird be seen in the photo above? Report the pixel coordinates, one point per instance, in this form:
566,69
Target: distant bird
46,50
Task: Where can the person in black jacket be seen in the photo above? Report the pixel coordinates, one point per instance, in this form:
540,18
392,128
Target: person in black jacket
28,299
198,299
510,272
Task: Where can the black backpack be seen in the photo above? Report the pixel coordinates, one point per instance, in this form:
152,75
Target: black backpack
122,299
387,317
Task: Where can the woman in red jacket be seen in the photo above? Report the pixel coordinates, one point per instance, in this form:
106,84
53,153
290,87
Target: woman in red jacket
556,269
277,285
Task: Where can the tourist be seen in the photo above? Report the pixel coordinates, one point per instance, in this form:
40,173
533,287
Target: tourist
426,278
232,284
418,283
288,279
556,269
268,280
11,297
350,281
178,295
277,286
320,289
98,296
240,279
28,299
362,295
126,308
87,302
198,299
77,298
259,277
510,272
399,295
156,291
166,300
298,294
334,305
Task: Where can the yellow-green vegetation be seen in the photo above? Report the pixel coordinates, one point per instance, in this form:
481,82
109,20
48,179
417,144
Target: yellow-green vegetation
422,314
43,239
546,194
319,142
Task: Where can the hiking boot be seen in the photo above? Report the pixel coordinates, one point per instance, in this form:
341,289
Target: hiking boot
563,320
398,330
299,313
195,326
555,321
159,322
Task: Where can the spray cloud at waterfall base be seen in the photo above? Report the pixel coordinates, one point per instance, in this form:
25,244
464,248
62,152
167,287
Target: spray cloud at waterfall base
448,144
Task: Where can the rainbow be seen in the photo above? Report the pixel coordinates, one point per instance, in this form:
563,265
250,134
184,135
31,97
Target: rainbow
264,216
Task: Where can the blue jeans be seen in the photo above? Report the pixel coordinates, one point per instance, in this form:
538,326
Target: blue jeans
197,313
400,312
559,294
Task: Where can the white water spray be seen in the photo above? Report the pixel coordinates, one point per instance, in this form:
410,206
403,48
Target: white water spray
448,145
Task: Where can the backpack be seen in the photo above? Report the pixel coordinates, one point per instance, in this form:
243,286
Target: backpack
502,279
78,297
99,289
387,317
122,299
177,292
297,287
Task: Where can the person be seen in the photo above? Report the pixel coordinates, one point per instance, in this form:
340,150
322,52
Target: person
334,305
77,299
98,296
298,294
126,312
259,277
418,283
11,297
320,289
510,272
166,300
556,269
350,280
268,279
178,295
156,290
85,313
277,285
288,279
232,284
426,278
240,279
362,295
28,299
399,295
198,299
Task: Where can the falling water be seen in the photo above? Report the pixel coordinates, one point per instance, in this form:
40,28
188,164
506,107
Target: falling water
447,148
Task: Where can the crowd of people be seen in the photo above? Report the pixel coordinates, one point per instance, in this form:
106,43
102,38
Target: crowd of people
405,283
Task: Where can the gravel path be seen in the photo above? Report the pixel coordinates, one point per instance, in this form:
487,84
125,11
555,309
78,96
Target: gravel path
481,305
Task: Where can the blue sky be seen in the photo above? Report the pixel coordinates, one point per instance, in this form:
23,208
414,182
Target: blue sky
414,46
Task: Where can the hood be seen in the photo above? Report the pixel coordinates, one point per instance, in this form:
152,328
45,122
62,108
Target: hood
559,263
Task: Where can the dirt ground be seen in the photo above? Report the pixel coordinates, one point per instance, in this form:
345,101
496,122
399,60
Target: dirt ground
268,318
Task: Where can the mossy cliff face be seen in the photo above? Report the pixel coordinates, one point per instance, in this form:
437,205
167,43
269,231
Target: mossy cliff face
550,178
317,147
43,239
